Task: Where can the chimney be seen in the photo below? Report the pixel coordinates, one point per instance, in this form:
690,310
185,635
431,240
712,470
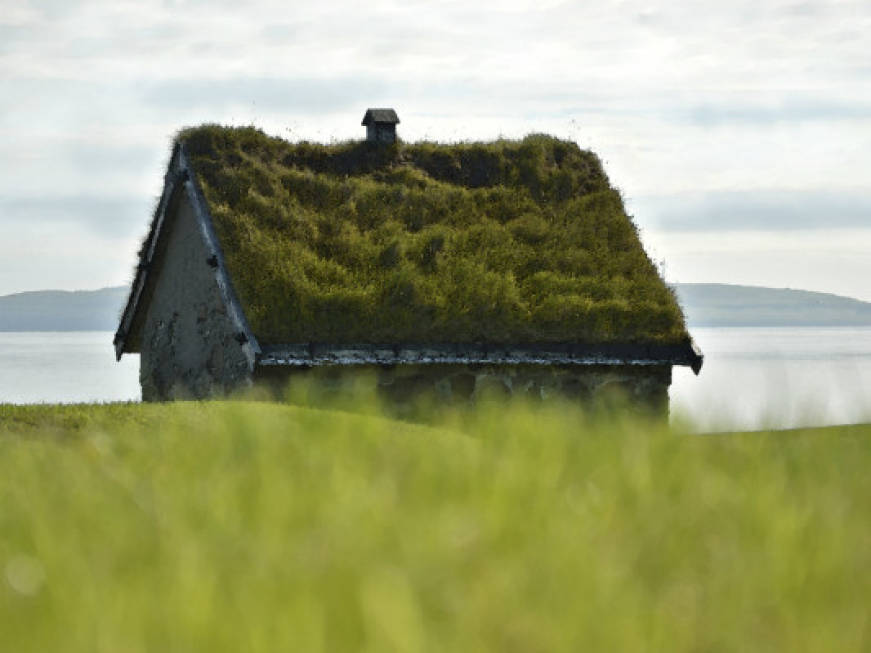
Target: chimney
380,125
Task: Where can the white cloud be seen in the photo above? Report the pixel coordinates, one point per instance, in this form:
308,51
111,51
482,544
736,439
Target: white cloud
824,260
18,15
677,98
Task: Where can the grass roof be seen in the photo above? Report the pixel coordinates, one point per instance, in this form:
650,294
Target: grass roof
504,242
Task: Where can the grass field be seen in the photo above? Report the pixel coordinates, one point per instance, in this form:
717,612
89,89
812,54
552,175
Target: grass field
267,527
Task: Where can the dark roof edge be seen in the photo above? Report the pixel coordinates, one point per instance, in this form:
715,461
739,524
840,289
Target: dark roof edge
146,254
316,355
380,115
180,177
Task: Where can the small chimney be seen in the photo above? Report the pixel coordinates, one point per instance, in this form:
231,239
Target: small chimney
380,125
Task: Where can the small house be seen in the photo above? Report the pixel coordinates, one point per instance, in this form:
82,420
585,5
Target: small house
457,270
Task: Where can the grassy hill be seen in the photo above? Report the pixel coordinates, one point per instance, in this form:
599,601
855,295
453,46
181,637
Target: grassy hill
262,527
61,310
507,242
717,304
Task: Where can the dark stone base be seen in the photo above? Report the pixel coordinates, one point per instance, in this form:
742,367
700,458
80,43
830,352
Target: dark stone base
642,388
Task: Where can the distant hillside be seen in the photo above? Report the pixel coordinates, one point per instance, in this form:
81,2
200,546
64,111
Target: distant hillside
705,304
61,310
718,304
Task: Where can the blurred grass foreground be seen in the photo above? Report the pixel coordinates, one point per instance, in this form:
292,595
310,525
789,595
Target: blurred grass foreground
266,527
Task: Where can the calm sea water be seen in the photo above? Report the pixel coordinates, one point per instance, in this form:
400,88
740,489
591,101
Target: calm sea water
71,366
752,377
759,377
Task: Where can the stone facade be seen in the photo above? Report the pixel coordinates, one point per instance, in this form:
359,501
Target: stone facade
401,386
189,346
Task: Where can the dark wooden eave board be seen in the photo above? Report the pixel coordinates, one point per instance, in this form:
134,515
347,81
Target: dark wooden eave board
316,355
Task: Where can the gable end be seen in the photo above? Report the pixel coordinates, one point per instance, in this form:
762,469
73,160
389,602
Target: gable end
179,182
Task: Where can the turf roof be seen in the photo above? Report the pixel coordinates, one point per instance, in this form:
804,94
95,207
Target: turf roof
504,242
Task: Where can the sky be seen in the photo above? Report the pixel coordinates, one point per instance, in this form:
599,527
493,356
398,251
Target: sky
739,132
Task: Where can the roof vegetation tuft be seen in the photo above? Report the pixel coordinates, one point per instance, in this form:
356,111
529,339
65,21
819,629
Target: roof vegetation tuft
504,242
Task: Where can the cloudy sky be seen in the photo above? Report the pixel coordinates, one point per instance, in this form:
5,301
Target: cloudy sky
738,132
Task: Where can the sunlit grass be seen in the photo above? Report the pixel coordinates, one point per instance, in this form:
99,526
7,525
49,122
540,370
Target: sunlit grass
258,526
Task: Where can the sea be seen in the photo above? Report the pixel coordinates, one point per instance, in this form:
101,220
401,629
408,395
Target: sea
752,378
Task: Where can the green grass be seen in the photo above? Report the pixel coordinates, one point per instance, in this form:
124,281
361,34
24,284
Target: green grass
266,527
508,242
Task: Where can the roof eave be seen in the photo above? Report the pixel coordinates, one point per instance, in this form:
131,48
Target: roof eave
695,356
369,117
316,355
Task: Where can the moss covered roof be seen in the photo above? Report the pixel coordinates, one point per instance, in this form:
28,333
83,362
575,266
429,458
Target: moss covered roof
504,242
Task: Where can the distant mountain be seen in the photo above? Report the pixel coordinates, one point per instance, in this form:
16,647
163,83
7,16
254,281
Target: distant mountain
705,304
62,310
718,304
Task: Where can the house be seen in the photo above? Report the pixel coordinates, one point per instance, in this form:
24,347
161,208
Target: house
380,125
459,270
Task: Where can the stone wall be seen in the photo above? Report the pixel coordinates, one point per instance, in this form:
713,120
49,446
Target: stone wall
189,347
644,387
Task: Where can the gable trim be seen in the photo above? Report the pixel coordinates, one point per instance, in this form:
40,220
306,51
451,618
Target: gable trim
180,178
